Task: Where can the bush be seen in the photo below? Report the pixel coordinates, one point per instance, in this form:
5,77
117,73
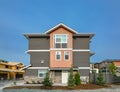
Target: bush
27,82
113,69
100,79
33,82
71,81
77,79
47,81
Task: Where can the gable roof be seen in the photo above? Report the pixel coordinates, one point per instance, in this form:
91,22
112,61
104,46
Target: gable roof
63,25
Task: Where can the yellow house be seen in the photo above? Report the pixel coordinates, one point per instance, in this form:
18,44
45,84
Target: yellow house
11,70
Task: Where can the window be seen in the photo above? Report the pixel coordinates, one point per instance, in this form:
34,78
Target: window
66,55
41,73
58,55
17,68
61,41
6,66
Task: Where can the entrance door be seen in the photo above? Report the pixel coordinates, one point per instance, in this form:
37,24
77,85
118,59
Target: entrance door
58,76
64,76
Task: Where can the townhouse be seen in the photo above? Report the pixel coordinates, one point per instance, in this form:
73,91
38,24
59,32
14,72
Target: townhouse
57,50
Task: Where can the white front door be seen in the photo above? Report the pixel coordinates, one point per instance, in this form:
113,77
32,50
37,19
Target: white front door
64,76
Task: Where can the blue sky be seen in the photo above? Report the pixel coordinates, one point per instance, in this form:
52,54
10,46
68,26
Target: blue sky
101,17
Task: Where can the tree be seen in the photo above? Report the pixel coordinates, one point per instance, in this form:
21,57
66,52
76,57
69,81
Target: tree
71,81
113,69
77,79
100,78
47,81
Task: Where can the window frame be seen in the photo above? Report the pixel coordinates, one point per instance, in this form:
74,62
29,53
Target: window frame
61,41
68,55
42,71
56,55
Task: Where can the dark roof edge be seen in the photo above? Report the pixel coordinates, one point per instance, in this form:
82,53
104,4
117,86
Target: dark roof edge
85,34
27,35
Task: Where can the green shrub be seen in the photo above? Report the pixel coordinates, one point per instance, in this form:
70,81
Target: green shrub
47,81
27,82
33,82
77,79
100,79
113,69
71,81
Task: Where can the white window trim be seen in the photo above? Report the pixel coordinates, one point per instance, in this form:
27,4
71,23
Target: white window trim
41,72
56,55
54,40
61,34
64,56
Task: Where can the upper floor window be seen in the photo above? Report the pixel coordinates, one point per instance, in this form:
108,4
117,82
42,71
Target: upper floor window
66,55
58,55
61,41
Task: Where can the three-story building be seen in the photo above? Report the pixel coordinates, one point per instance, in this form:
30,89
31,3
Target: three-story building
58,49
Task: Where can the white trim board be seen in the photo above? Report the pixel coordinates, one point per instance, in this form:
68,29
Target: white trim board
83,67
81,50
38,68
61,49
61,24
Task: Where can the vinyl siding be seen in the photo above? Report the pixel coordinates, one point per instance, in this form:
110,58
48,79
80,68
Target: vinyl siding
37,57
84,72
80,43
31,72
39,43
81,59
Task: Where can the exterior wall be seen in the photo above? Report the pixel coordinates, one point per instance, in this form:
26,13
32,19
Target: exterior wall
39,43
2,66
81,43
60,30
31,72
81,59
39,59
62,62
84,72
32,76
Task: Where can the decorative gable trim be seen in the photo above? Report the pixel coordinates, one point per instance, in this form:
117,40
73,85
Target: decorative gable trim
61,24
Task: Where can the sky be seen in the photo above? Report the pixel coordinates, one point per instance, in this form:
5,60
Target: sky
101,17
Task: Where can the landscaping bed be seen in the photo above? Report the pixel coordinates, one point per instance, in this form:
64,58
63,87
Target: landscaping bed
82,86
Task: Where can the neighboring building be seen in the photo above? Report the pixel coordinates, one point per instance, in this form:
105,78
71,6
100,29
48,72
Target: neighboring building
58,49
11,70
93,68
104,65
117,64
